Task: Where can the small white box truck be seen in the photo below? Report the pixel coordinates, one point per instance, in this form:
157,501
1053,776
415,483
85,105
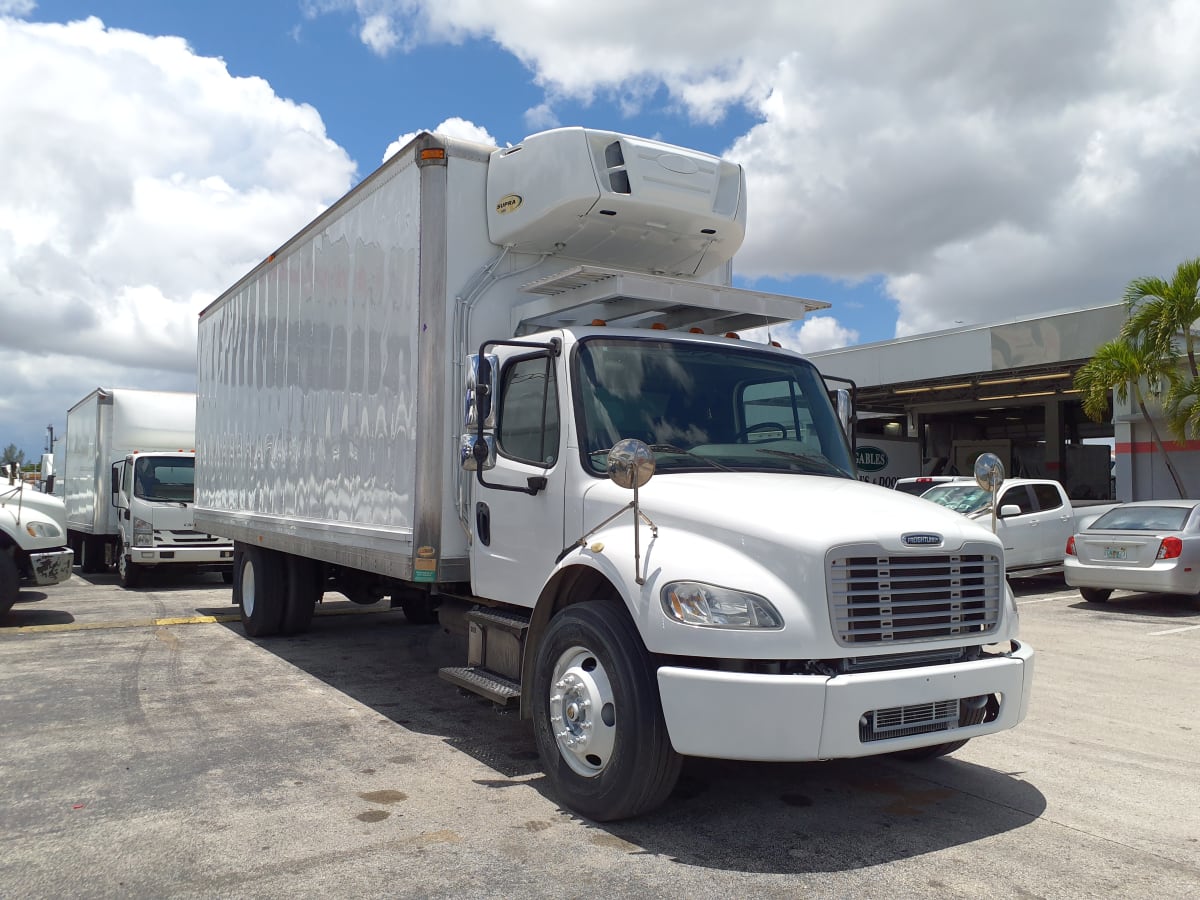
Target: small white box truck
453,387
130,476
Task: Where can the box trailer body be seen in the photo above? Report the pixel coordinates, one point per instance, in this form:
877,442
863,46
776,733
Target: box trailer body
426,394
129,484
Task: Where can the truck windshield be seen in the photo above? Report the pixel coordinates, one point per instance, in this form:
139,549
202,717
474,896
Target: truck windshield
963,498
705,407
169,479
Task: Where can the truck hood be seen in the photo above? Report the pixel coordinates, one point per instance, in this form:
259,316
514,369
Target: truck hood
25,498
806,512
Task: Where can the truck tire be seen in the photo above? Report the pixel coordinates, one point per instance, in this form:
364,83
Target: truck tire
302,593
10,582
91,554
1095,595
418,605
130,573
597,716
263,591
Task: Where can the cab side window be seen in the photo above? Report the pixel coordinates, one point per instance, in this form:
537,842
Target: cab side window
1017,496
1047,496
527,424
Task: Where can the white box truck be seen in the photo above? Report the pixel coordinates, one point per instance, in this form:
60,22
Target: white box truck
452,388
130,475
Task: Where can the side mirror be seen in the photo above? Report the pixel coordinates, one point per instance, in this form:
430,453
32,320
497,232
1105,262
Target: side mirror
480,390
630,463
116,484
475,452
845,408
1009,509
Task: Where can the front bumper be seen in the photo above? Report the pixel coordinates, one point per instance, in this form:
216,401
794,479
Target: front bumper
211,556
1162,577
792,718
52,567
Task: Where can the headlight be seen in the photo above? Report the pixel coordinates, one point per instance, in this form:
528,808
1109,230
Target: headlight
694,603
42,529
143,533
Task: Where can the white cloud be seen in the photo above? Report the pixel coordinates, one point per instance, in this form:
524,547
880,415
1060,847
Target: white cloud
17,8
453,127
141,180
985,159
810,335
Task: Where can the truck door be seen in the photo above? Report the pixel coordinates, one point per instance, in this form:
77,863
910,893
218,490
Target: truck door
1056,520
1020,533
517,512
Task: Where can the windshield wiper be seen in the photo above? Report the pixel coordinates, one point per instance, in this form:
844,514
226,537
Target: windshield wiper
671,448
821,465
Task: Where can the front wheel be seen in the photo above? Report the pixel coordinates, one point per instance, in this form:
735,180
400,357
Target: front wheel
10,582
128,572
1095,595
597,717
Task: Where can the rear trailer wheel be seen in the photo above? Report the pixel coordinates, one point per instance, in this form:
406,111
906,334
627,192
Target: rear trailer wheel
597,717
418,605
10,582
91,554
301,595
1095,595
262,595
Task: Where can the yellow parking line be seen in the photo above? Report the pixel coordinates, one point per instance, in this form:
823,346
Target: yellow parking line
177,620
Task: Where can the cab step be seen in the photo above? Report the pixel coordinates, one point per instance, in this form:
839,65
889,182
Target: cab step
495,649
496,688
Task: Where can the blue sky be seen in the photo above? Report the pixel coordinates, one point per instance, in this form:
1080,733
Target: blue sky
918,166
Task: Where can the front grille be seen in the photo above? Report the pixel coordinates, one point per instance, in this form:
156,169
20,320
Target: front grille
901,721
880,599
182,536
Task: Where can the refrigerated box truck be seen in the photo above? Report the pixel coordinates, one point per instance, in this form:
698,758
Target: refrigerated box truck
504,387
130,485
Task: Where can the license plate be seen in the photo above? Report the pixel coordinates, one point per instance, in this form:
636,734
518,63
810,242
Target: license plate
1114,552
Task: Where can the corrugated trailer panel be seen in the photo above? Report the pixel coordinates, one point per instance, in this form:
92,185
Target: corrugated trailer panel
88,424
308,395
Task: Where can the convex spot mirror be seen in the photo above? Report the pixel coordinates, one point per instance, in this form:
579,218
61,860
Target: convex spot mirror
989,471
630,463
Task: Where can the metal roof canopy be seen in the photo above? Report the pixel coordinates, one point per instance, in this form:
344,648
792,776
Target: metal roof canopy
627,299
1014,363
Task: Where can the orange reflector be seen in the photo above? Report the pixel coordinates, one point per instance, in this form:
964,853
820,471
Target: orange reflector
599,322
776,344
734,335
695,331
433,153
658,326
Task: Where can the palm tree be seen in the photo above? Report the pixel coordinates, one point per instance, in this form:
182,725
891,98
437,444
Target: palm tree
1160,310
1114,367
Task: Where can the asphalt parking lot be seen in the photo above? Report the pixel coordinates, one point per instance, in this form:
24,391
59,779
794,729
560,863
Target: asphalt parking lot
150,750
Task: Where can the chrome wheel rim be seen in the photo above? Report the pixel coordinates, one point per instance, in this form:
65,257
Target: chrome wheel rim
583,712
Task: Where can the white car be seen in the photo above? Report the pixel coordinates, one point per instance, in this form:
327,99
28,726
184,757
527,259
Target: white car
1148,545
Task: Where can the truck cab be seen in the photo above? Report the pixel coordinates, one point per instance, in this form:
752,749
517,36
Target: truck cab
154,494
33,534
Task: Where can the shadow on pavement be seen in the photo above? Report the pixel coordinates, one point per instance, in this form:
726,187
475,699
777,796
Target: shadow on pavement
748,817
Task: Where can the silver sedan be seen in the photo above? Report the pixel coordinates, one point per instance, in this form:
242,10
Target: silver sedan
1148,545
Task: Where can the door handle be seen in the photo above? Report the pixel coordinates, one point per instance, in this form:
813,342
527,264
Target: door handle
483,524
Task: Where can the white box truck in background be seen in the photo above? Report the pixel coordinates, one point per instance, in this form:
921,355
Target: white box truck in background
130,473
443,389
